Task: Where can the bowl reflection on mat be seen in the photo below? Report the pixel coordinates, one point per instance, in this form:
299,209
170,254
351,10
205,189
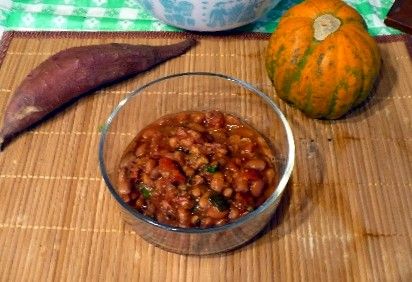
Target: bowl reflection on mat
208,15
196,92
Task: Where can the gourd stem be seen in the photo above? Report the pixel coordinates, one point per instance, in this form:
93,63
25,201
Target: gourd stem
324,26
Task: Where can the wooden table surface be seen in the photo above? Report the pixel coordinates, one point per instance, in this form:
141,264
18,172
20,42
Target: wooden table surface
346,215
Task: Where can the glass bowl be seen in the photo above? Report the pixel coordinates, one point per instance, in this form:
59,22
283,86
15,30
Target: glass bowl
196,91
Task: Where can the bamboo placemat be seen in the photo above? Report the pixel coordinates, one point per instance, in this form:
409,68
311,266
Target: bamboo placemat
346,214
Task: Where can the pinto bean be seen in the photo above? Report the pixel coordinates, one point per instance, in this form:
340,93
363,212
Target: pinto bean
150,209
194,220
246,146
155,173
188,170
197,117
183,216
166,207
270,175
181,117
125,197
179,157
219,135
182,187
257,164
196,161
228,192
141,150
198,190
140,202
185,202
215,119
197,179
232,120
256,187
241,184
187,142
194,134
173,142
146,179
150,165
194,149
243,201
181,132
123,184
214,212
234,139
204,201
196,127
215,148
217,182
234,213
207,222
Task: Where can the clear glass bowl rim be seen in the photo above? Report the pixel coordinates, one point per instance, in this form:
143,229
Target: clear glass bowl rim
270,201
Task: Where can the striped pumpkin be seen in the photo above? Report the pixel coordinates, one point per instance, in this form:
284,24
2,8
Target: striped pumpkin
321,58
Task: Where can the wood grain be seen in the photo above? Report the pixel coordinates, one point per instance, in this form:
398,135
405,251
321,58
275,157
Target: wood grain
346,215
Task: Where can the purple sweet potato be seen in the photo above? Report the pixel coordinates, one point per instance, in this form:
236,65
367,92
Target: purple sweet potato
75,71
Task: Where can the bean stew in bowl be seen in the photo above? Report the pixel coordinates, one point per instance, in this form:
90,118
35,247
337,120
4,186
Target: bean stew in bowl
197,161
197,169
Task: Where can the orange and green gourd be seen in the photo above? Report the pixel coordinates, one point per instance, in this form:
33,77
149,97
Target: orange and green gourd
321,58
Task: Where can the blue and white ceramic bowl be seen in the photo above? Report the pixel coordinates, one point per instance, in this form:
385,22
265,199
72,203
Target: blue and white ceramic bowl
208,15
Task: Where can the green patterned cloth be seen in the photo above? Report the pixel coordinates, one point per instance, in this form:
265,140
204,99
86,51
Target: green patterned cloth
128,15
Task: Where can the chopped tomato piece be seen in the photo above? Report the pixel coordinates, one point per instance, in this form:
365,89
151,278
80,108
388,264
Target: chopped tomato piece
169,169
